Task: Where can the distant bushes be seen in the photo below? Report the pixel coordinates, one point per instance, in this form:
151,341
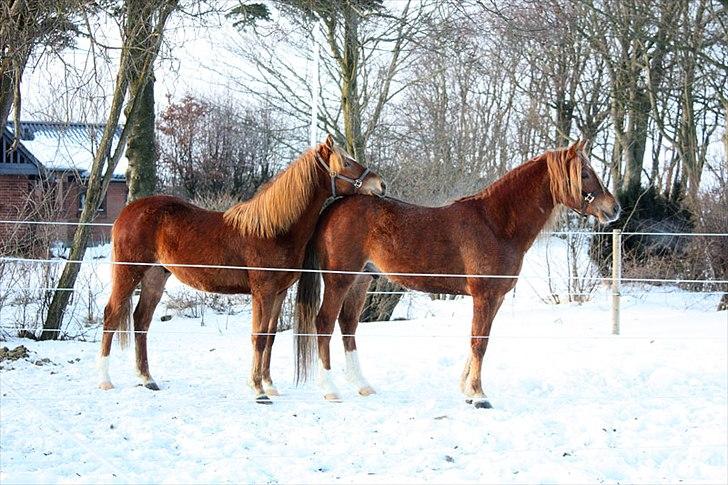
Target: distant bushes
668,256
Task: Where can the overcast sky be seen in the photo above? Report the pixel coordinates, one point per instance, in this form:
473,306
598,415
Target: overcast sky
195,59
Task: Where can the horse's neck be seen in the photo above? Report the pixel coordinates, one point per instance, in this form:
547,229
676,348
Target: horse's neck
519,205
302,230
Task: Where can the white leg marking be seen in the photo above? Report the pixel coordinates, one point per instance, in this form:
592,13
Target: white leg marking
354,375
103,368
270,388
326,383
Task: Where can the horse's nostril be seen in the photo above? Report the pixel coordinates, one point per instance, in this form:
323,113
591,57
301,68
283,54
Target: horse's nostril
384,187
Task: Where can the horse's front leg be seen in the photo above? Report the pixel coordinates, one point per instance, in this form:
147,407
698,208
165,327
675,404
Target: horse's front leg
484,310
268,386
348,321
262,308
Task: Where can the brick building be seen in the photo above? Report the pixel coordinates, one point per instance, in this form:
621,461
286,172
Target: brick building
45,176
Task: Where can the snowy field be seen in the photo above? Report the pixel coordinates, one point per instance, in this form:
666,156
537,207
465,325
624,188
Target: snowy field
572,403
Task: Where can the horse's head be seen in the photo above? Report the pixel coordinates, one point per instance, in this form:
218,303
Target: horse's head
346,175
575,184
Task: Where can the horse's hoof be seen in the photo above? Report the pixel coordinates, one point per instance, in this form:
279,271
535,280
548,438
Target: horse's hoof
479,403
367,391
152,385
263,400
332,397
106,385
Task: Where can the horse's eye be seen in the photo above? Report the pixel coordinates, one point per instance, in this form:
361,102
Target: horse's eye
584,176
347,164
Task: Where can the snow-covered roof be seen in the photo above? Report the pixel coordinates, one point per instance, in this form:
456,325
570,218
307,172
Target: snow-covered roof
62,146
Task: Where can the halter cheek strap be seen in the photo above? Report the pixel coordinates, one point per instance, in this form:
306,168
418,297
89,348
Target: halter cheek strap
357,182
588,199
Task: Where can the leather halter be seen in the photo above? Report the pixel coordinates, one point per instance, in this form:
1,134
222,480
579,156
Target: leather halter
357,182
588,197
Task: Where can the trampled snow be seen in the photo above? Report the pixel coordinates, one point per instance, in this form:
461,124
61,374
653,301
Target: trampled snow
572,403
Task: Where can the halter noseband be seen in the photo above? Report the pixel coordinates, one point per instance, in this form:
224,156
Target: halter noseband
357,182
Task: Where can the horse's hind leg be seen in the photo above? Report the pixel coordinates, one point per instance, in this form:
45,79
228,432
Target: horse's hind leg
336,287
268,386
124,279
348,321
152,289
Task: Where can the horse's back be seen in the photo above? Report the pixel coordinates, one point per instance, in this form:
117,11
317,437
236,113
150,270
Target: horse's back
142,224
397,237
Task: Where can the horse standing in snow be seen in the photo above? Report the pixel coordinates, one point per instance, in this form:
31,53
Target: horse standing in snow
165,235
484,234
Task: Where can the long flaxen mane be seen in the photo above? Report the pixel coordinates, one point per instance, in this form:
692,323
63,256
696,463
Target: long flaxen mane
564,167
279,203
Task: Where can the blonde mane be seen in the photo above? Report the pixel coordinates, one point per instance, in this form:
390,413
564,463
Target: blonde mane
280,202
564,168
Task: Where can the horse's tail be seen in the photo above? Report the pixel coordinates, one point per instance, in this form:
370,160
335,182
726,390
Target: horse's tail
307,306
124,319
118,312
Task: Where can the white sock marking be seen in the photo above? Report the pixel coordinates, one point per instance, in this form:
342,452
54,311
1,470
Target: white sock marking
353,370
325,381
103,367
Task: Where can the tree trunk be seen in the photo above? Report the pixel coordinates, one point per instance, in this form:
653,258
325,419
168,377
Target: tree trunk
12,73
639,112
7,90
723,305
104,162
564,116
724,103
379,307
141,150
350,103
95,189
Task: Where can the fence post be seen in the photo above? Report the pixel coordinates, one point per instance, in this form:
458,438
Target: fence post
616,277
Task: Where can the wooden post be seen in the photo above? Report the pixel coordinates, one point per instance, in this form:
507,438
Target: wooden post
616,277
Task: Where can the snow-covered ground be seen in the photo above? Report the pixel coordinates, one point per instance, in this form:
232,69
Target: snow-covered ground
572,403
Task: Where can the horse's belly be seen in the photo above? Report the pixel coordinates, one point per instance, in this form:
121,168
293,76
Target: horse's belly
429,284
213,280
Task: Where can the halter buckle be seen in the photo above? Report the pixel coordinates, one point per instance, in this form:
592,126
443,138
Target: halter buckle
589,198
357,183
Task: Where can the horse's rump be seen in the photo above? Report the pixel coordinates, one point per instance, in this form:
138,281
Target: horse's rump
168,230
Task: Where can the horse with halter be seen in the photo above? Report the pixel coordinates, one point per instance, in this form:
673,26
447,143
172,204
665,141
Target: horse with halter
162,235
484,234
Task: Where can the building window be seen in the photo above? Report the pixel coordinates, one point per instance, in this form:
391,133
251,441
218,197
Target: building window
82,201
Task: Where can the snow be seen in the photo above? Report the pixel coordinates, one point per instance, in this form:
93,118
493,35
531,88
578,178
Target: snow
572,403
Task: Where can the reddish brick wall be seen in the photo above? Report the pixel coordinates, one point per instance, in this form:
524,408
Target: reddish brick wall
115,201
14,190
112,205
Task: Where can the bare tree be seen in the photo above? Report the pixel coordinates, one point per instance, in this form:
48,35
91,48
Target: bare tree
218,149
30,27
106,159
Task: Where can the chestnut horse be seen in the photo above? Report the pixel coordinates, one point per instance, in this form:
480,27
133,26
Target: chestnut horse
483,234
269,230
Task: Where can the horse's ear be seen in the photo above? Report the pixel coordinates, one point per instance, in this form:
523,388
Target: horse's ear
575,146
329,141
582,145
